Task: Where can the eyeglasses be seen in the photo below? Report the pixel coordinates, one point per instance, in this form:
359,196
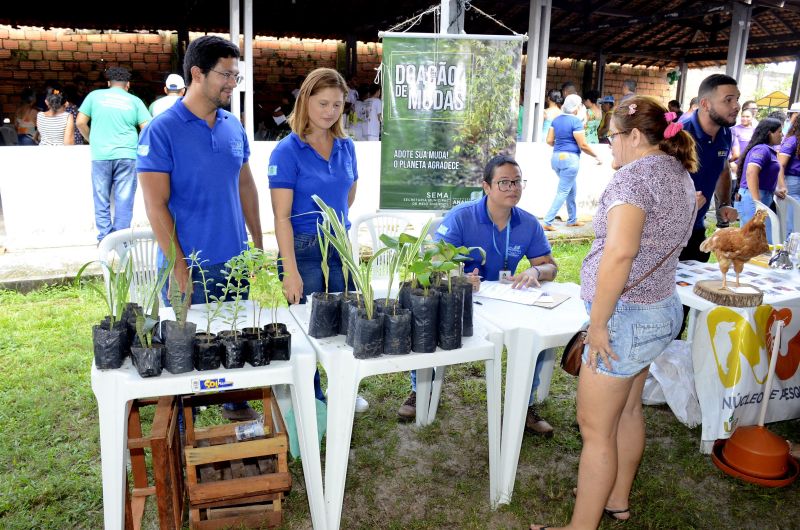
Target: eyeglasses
611,136
236,78
508,185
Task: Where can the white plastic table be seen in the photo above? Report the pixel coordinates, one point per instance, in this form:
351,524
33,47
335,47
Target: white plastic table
115,388
771,281
345,372
527,332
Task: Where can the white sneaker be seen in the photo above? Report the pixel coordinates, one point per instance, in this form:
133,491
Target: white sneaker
361,404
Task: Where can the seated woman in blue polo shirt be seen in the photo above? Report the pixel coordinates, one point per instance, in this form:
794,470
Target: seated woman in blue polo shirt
760,171
506,233
317,158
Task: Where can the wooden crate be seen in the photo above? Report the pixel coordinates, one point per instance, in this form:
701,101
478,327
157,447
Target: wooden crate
167,469
231,482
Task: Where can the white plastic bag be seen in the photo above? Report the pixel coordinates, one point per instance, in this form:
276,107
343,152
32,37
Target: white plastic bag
674,372
652,393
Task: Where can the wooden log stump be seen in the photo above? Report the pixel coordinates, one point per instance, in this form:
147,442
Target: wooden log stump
712,291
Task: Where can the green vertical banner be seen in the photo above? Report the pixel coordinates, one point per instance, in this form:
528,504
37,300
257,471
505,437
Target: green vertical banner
450,103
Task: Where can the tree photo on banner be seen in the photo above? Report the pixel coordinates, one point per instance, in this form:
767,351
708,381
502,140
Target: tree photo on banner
450,104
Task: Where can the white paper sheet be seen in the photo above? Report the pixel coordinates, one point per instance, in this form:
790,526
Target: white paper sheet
503,291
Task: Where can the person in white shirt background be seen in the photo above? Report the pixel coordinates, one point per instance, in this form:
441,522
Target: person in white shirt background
374,113
174,88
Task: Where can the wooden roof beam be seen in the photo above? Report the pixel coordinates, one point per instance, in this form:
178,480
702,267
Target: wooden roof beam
751,44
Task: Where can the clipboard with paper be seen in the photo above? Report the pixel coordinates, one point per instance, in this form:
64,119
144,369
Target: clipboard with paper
533,296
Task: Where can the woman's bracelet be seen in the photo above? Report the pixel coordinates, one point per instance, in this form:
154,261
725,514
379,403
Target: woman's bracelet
538,272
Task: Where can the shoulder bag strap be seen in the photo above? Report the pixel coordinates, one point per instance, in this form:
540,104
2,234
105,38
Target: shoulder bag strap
665,258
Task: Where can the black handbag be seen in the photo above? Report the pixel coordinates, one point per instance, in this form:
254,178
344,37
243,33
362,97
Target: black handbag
573,352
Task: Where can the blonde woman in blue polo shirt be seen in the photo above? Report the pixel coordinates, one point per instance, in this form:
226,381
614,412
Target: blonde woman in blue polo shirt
317,158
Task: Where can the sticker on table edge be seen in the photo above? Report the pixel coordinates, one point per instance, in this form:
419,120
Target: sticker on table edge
210,384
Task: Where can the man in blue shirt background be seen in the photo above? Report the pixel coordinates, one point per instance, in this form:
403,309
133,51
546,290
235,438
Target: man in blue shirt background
507,234
196,180
709,126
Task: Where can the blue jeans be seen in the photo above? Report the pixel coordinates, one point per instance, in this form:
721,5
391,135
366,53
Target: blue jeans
566,166
638,333
308,257
536,378
747,208
119,176
793,187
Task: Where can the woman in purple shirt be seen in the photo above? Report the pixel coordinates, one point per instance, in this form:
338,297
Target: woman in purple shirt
760,171
644,218
789,175
741,134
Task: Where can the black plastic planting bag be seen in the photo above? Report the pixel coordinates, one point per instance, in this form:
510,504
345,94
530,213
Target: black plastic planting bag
179,345
233,353
451,315
397,331
352,313
278,328
325,310
466,291
368,336
206,352
425,310
280,345
404,295
108,346
344,303
148,360
129,317
257,351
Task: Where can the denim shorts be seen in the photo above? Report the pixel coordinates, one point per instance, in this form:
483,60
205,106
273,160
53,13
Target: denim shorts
638,333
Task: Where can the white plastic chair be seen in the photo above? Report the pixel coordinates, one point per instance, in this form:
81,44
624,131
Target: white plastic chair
141,246
435,223
374,225
786,207
775,226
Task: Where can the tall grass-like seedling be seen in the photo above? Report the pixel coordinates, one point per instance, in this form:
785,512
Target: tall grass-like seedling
337,236
180,301
116,293
148,294
324,245
404,249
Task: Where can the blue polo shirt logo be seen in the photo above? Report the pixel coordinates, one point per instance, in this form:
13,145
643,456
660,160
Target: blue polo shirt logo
515,251
237,147
143,150
442,230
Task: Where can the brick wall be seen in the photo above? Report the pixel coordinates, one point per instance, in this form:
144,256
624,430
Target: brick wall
650,81
29,57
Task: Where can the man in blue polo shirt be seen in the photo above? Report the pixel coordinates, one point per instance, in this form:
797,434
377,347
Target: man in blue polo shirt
506,233
195,177
709,126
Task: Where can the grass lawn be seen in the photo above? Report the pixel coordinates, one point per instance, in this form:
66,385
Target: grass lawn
400,476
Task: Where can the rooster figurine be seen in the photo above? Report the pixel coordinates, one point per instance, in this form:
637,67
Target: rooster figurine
738,245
